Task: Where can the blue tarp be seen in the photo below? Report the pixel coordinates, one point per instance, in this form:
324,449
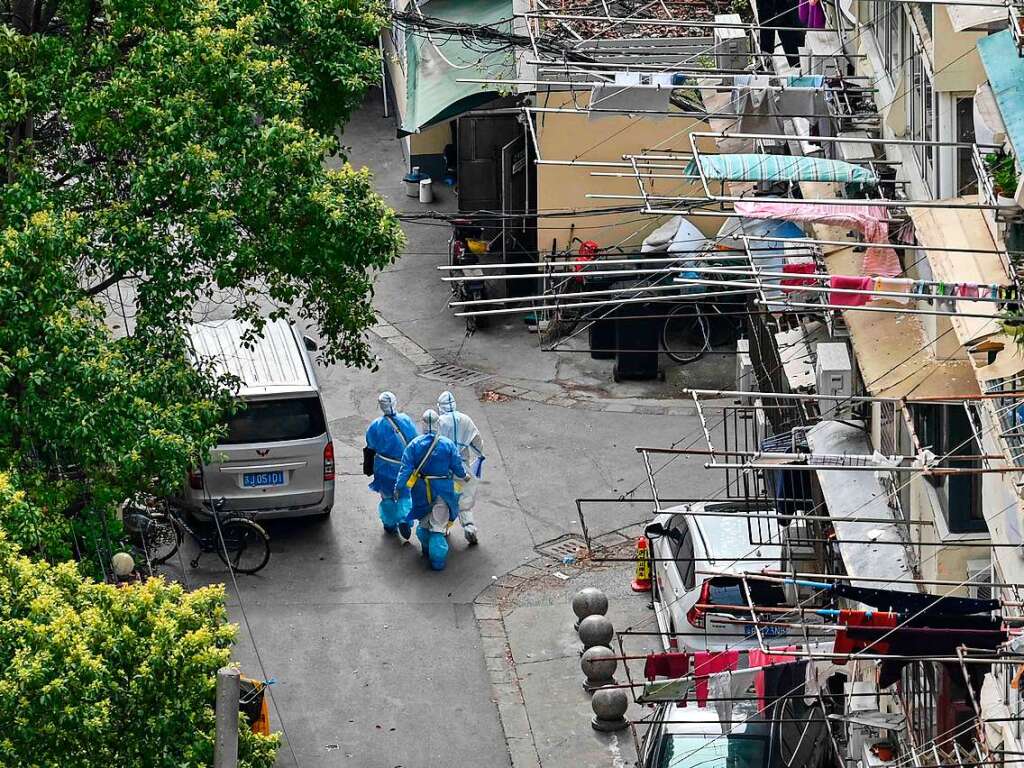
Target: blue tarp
750,167
1005,71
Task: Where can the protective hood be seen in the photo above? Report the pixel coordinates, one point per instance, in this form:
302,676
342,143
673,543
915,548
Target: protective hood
446,402
430,418
388,403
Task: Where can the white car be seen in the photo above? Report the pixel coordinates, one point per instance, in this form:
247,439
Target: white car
693,737
682,545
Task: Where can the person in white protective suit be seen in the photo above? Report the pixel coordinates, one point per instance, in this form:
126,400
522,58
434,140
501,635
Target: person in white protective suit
460,429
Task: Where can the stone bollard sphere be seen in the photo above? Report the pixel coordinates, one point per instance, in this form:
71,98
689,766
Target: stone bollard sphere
598,664
596,630
609,704
589,601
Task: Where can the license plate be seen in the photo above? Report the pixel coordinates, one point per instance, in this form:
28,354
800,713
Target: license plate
749,631
262,479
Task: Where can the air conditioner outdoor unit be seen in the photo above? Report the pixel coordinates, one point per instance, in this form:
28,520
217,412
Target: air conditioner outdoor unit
979,578
732,45
833,374
746,381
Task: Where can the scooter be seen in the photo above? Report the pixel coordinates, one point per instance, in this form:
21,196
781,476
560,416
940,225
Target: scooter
464,250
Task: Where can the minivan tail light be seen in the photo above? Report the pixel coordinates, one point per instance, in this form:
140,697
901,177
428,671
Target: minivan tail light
329,461
695,615
195,479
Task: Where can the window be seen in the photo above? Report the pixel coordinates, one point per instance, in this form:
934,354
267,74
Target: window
681,546
966,181
946,430
889,21
692,751
921,112
271,421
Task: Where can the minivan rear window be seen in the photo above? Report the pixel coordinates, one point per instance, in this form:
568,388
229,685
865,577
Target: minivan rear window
272,421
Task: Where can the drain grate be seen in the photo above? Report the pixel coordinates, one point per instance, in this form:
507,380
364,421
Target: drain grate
569,544
453,374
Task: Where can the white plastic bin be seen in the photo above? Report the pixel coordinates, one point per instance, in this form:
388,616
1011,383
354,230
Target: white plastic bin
426,190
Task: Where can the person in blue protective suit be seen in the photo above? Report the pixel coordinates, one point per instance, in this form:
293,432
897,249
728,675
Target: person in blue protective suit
387,437
430,474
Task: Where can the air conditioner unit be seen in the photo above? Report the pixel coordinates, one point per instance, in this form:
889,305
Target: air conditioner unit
979,578
746,381
833,375
732,45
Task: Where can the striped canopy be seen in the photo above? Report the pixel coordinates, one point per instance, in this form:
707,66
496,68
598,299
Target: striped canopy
778,168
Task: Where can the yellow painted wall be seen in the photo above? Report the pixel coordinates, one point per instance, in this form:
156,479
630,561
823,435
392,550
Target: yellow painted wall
432,140
575,136
956,63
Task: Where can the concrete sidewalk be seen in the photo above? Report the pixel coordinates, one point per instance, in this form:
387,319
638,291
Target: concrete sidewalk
532,655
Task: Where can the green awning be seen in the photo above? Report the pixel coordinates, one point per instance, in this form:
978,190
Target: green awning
778,168
435,63
1005,70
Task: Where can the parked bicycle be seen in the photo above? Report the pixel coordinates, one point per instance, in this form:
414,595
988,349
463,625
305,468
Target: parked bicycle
159,526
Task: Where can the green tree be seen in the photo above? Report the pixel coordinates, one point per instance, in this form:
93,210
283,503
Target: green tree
171,152
94,676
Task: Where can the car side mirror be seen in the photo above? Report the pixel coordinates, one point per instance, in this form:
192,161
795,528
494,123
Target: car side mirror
310,345
655,529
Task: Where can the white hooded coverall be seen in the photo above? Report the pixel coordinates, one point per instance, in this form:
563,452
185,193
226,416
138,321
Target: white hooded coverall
460,429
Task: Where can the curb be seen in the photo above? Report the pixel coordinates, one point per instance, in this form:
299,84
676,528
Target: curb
506,691
425,362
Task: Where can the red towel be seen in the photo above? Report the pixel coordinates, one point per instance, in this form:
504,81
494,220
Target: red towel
847,644
707,663
759,658
672,664
800,268
850,282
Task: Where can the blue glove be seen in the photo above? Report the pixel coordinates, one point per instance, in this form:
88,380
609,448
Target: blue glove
478,467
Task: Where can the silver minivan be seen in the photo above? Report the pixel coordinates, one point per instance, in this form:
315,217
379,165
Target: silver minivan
277,459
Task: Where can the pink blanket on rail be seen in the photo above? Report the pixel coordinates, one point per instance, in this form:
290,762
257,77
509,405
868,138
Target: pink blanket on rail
870,220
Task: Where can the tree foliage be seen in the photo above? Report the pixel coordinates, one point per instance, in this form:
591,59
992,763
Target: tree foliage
169,153
94,676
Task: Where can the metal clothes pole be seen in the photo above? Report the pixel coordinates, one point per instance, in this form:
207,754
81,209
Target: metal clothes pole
225,747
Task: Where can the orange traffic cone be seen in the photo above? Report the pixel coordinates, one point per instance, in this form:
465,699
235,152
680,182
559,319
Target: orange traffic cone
642,577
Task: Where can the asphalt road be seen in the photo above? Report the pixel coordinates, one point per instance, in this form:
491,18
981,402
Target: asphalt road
376,659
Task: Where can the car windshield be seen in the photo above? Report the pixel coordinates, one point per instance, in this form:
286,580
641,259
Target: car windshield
689,751
271,421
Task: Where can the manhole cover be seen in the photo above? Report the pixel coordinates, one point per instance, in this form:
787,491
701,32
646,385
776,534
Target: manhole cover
569,544
453,374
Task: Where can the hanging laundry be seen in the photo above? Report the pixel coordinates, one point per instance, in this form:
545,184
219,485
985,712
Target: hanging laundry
726,686
706,663
799,268
782,680
894,285
871,220
818,673
675,690
996,716
913,602
671,664
845,644
850,282
757,108
932,635
811,14
760,659
882,261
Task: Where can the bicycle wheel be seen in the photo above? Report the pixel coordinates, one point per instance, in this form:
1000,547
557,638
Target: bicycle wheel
247,545
160,539
685,335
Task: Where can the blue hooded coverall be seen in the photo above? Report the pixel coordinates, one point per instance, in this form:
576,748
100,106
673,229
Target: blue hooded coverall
388,436
435,483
